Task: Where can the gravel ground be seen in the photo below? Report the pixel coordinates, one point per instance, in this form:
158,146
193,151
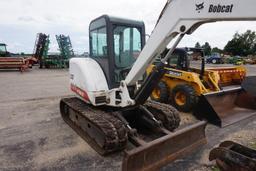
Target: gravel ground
34,137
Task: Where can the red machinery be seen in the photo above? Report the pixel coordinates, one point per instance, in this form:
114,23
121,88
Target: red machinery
7,62
21,63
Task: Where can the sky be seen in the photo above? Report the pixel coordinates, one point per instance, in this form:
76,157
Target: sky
21,20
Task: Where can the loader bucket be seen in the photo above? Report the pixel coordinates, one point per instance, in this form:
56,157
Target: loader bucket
226,107
249,85
160,152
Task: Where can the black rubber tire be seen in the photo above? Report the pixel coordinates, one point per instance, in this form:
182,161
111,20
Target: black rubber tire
164,93
191,97
47,66
40,64
214,61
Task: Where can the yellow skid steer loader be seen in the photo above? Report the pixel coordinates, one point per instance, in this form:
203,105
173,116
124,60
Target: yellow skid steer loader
214,94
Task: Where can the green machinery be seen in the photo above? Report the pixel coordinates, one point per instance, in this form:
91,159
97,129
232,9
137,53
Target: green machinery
3,50
41,49
66,50
236,60
53,61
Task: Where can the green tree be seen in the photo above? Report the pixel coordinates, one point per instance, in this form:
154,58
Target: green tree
207,49
242,44
216,50
197,45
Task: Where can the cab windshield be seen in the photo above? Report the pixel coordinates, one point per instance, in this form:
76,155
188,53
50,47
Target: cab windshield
127,46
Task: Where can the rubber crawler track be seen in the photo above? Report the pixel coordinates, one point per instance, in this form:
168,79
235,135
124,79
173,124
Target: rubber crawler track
110,129
167,114
109,133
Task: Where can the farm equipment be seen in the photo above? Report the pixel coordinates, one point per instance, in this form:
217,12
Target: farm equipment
236,60
112,112
204,91
41,49
215,58
53,61
3,50
8,62
250,60
233,156
66,50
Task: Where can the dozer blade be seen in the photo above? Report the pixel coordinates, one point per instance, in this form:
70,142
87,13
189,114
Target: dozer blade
157,153
226,107
233,156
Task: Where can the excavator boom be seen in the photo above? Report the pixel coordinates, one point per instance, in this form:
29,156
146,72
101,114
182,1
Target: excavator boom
180,17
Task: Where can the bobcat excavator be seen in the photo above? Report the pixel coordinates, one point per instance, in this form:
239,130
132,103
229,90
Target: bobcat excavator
112,112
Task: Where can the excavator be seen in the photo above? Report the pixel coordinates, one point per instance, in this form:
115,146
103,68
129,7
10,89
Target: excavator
112,111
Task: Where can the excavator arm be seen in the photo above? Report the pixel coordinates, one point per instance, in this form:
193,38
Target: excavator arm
178,18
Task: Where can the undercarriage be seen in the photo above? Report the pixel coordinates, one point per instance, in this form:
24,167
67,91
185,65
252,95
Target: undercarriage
141,132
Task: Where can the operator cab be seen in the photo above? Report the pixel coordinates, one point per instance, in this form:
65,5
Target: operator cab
180,58
115,44
3,50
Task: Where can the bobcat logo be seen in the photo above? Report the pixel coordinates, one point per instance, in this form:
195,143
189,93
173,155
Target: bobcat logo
199,7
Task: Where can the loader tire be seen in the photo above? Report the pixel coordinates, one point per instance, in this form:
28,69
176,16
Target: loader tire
184,97
160,93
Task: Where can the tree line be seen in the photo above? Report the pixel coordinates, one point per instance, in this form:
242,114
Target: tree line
243,44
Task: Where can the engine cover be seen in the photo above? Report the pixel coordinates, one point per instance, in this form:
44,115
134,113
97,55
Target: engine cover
88,80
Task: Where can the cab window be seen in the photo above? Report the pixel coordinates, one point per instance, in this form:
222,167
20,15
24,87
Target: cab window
127,46
99,42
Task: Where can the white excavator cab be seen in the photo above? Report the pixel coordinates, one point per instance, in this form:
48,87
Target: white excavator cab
115,43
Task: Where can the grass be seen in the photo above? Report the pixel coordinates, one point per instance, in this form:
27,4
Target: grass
215,168
253,144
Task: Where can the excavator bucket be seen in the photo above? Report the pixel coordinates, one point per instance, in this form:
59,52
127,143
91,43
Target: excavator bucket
233,156
157,153
229,105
